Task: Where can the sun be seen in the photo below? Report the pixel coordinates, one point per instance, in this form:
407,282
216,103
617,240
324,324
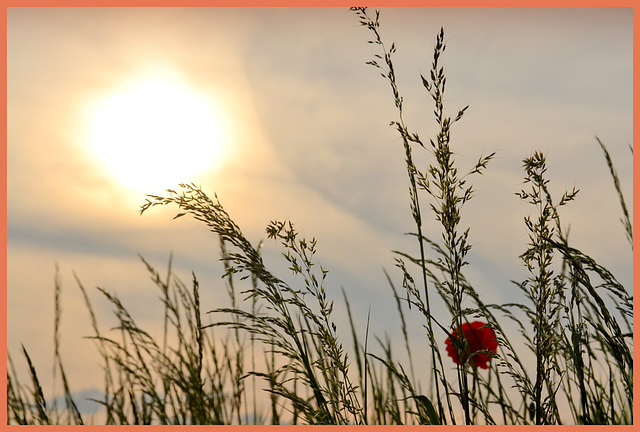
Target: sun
155,130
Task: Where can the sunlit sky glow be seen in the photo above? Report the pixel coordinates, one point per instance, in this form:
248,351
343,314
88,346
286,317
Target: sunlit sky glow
276,112
154,132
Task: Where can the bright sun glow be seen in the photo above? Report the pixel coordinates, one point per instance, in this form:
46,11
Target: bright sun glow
155,132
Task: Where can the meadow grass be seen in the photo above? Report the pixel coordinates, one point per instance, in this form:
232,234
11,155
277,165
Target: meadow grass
274,355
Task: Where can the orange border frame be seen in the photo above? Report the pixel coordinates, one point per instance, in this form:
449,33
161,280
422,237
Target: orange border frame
291,3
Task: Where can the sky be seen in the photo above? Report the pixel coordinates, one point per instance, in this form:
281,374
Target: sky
300,128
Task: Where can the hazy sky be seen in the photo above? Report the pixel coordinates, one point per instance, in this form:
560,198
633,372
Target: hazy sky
304,135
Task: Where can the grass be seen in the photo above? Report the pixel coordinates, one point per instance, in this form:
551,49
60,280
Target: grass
275,355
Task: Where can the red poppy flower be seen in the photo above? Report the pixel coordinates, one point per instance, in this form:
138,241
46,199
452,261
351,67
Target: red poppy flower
480,338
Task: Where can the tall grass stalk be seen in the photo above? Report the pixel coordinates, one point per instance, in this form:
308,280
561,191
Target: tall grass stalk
388,72
449,192
626,222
